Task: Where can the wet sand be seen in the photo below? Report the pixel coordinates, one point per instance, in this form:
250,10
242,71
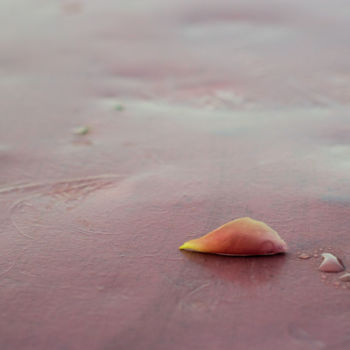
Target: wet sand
127,128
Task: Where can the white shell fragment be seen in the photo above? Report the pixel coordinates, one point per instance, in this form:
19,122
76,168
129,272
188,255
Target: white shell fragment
345,277
331,263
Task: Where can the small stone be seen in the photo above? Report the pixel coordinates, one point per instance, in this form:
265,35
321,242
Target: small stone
331,263
304,256
119,107
81,130
315,255
345,277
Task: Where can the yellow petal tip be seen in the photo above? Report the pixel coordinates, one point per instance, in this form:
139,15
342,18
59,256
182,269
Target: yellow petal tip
187,246
183,246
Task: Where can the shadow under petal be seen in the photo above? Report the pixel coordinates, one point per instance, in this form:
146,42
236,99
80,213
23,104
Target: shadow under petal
248,271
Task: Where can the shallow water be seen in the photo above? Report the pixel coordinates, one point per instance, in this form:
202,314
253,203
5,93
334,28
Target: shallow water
229,109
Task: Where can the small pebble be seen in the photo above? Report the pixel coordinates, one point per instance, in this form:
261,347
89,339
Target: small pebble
304,256
331,263
345,277
81,130
119,107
